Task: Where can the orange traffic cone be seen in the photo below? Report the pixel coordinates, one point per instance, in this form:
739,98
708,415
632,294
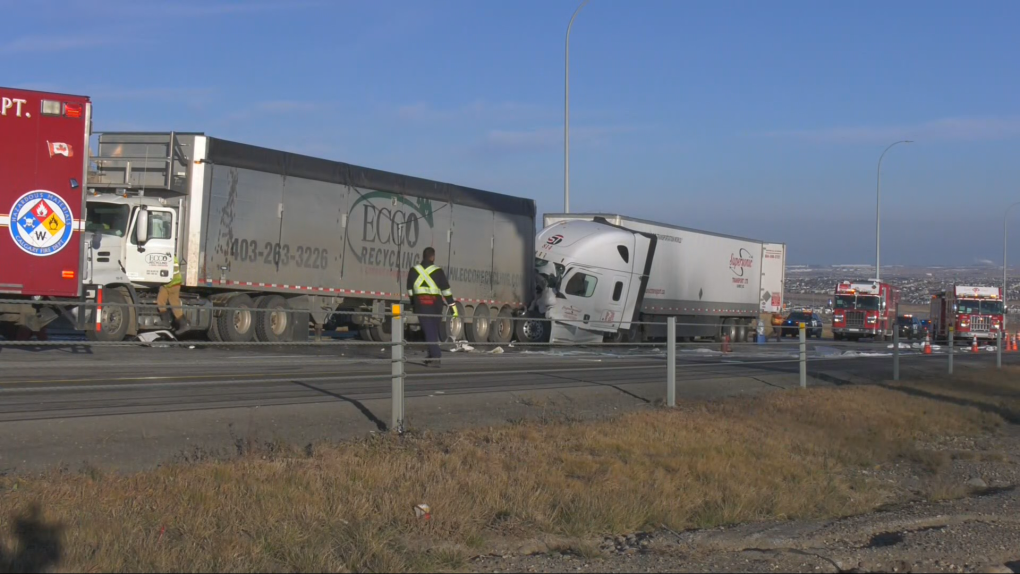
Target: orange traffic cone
1016,343
974,346
927,344
726,344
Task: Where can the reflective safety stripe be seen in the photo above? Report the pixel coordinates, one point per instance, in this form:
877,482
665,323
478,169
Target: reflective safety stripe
425,285
176,280
447,293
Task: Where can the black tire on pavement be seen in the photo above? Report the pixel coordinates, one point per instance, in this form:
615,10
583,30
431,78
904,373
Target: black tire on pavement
366,334
532,329
502,329
477,331
273,324
237,325
117,318
383,333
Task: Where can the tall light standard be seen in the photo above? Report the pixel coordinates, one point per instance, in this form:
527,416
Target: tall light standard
1005,219
878,214
566,117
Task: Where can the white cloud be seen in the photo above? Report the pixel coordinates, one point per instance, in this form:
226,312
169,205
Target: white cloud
276,107
945,129
545,138
193,9
54,43
477,110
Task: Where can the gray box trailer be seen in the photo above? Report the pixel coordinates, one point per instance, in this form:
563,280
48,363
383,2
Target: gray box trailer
251,224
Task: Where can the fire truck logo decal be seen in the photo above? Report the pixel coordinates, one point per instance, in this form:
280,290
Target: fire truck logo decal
41,223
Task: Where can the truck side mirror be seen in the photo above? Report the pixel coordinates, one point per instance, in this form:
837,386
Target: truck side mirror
142,227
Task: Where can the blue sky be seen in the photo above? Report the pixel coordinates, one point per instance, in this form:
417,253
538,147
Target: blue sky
759,119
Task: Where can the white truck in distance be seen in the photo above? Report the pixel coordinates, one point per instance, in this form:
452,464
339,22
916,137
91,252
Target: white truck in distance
601,274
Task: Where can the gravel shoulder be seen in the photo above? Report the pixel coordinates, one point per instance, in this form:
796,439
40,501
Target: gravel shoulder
958,511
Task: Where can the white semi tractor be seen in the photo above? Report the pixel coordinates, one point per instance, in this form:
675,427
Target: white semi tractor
271,243
619,278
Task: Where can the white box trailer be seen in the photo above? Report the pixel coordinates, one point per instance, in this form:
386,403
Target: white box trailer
267,229
642,271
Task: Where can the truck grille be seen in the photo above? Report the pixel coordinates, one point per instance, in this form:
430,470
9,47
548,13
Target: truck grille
855,319
980,324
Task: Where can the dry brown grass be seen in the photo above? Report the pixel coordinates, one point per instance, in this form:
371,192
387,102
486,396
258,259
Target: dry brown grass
993,390
349,507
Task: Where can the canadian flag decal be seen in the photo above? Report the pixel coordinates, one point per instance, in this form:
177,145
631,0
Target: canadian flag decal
57,148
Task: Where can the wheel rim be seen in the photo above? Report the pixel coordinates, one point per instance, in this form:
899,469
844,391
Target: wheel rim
278,322
481,326
242,321
534,330
113,318
503,326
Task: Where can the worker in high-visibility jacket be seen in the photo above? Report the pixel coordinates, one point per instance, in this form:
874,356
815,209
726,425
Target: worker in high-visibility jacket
171,293
430,293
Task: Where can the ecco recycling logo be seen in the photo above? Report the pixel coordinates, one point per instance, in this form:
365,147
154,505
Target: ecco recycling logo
41,223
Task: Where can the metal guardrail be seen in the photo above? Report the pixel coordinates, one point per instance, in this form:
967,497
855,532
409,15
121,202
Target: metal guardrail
670,349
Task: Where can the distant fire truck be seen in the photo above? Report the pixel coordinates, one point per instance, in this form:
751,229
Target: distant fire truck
864,309
973,311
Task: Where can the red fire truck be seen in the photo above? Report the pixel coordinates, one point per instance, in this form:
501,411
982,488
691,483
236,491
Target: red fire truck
864,309
973,311
44,153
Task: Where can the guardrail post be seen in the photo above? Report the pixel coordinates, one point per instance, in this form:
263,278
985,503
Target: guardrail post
896,354
671,361
397,356
952,328
803,356
998,349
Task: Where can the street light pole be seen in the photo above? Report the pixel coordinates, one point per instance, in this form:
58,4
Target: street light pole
878,214
1005,219
566,116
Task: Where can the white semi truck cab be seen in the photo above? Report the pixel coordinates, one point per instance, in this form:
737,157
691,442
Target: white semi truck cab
593,277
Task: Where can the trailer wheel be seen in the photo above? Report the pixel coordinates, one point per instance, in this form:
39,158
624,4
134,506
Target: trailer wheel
478,329
502,328
117,317
452,328
366,334
237,325
272,322
382,333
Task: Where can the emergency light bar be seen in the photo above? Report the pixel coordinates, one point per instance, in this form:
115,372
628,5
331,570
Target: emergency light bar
55,108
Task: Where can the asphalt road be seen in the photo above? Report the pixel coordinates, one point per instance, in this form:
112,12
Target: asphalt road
132,407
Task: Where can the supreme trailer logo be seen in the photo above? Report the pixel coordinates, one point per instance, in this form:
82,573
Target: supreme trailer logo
740,261
41,223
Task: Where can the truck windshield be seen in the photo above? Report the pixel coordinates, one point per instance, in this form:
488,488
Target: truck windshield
549,274
107,218
978,307
863,302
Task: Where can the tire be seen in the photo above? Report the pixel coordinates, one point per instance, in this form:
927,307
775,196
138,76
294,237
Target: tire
273,324
238,326
366,334
116,318
477,331
214,329
502,329
8,331
382,333
532,329
452,328
729,327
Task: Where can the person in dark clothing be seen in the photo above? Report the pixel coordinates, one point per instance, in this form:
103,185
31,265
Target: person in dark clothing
430,292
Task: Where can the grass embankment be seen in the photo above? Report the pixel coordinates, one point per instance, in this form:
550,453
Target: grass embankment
350,507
